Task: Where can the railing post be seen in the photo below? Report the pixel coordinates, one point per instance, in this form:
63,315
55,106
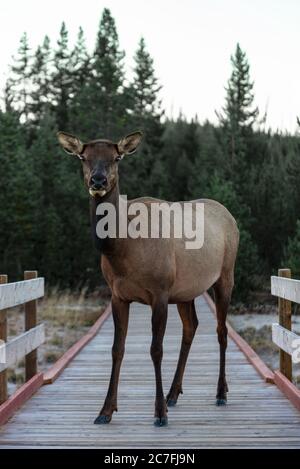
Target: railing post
3,336
30,321
285,320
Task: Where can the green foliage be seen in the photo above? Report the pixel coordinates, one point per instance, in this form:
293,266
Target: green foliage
80,63
247,264
99,108
44,217
17,87
18,198
292,252
41,82
108,79
145,87
145,114
238,111
61,78
237,119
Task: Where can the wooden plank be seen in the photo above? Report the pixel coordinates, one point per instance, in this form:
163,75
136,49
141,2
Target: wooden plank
288,389
248,351
17,293
8,408
284,338
51,375
286,288
30,322
19,346
257,415
3,337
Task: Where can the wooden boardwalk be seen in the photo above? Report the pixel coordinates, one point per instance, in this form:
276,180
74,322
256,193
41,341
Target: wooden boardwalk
62,414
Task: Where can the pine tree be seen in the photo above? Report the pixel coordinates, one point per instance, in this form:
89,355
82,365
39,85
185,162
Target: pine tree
146,113
238,115
80,64
81,105
108,76
40,101
43,203
99,109
61,80
239,111
17,87
146,102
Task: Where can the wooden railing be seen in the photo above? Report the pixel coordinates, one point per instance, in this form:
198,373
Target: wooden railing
287,290
13,294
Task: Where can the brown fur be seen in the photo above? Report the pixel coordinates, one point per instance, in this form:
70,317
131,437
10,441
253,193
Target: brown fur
158,272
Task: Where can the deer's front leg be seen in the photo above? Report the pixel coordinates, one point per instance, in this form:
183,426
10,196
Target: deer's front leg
120,312
159,321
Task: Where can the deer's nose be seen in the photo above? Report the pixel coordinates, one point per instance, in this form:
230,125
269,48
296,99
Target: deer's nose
97,182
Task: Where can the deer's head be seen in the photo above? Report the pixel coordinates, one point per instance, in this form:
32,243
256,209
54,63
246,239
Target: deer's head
100,159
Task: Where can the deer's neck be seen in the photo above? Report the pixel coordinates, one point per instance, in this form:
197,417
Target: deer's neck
106,245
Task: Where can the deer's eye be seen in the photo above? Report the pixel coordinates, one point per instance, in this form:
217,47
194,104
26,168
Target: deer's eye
119,157
81,157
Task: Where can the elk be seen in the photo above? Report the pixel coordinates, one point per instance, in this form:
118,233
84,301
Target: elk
156,272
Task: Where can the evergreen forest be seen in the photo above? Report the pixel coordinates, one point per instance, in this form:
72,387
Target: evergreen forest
44,213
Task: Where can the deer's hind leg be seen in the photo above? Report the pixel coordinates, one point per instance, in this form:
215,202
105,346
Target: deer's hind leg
222,289
189,320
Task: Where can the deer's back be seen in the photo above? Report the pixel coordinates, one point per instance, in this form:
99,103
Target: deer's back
144,266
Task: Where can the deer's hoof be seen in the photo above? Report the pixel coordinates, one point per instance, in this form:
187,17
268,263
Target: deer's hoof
161,421
102,419
220,402
171,402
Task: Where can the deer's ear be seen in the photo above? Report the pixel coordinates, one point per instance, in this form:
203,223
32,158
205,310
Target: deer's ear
129,144
70,143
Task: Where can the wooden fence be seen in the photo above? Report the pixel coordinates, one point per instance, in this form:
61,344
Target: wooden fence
287,290
13,294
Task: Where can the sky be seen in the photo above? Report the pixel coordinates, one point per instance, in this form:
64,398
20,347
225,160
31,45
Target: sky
190,41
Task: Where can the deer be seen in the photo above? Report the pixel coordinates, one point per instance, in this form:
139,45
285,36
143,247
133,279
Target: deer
156,272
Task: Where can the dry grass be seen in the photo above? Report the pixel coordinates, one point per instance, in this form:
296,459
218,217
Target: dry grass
67,317
259,339
70,310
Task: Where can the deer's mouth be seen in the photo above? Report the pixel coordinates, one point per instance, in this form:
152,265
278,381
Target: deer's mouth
100,192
